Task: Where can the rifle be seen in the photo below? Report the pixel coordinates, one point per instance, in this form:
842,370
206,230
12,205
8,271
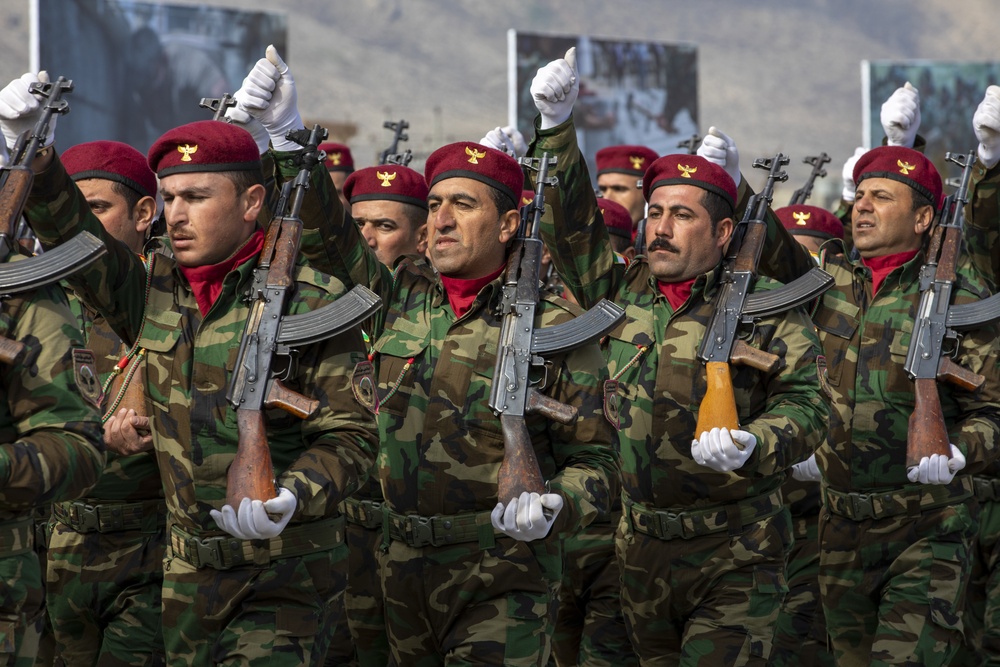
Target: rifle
802,194
218,105
15,186
927,359
522,347
271,338
735,306
391,154
691,144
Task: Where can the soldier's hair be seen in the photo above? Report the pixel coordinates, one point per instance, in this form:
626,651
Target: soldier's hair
919,200
620,244
503,202
244,179
130,196
415,215
718,209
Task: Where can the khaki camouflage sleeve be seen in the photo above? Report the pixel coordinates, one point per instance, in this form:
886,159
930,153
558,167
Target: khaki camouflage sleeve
585,453
782,257
114,285
797,414
982,223
578,239
52,447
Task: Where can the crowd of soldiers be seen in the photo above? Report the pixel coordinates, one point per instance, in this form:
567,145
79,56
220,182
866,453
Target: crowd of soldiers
795,529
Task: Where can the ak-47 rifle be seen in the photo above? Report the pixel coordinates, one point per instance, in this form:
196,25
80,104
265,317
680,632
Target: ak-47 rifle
935,339
15,186
522,347
218,106
690,144
736,306
271,338
802,194
391,155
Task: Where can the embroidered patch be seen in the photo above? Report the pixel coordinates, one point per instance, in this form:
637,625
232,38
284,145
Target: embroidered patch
85,374
821,373
612,403
363,385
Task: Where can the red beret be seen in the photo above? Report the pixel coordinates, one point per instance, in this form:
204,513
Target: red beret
632,160
684,169
904,165
205,145
338,157
527,196
466,159
810,221
616,217
111,161
393,182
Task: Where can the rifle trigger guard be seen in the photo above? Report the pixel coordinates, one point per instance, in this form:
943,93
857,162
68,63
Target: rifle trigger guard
745,333
951,344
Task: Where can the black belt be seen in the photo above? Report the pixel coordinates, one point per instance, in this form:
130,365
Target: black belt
881,504
111,517
364,513
669,525
439,530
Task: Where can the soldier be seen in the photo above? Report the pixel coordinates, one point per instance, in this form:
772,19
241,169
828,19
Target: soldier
712,597
619,225
619,169
51,448
105,559
390,204
340,163
810,226
236,586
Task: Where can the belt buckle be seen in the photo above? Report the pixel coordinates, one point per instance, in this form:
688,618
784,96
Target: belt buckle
994,487
861,506
371,513
671,525
85,517
421,531
207,551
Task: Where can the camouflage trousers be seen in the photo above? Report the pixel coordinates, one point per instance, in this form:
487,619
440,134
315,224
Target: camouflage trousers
590,628
360,637
276,614
800,635
22,596
893,588
983,610
467,604
709,600
46,654
103,596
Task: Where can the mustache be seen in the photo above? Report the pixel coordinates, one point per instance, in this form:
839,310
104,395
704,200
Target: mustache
662,244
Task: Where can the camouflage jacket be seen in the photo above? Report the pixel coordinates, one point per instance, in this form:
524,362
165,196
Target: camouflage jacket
440,444
653,357
865,339
51,444
188,362
982,223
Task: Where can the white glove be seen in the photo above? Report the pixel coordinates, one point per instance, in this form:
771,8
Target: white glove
268,94
507,139
252,521
717,449
20,110
850,187
241,117
554,89
986,123
901,116
807,471
718,148
937,468
525,518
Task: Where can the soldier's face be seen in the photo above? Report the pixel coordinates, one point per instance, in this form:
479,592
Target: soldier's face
679,240
884,222
387,227
622,189
207,220
112,209
466,236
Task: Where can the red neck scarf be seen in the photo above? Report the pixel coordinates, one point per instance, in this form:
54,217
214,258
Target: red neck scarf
883,266
206,281
461,293
676,293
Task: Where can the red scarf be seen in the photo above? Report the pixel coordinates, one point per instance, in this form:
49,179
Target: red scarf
676,293
206,281
461,293
883,266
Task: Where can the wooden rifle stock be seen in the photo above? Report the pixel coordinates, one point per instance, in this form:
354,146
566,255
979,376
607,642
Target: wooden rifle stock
718,407
926,431
519,471
251,474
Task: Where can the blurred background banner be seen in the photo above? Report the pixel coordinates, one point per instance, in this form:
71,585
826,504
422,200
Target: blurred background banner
140,68
631,92
948,91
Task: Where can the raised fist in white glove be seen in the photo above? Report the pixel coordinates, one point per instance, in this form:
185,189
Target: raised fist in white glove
252,522
937,468
850,187
268,94
986,123
241,117
507,139
528,517
718,148
20,110
901,116
807,471
723,450
554,89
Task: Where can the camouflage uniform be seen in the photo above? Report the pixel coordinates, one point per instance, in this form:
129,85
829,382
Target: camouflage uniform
710,596
52,451
106,550
262,601
895,557
455,590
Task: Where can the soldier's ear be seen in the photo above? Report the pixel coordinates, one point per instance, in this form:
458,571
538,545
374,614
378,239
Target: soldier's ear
723,232
422,239
509,222
143,214
923,220
253,200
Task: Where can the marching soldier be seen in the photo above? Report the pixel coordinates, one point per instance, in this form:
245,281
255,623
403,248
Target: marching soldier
390,205
340,163
619,170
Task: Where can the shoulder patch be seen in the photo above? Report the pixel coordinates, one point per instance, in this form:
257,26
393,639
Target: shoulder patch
363,385
85,375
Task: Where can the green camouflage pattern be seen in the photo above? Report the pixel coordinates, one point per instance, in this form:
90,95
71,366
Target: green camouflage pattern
52,450
894,589
187,366
360,637
983,609
982,223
